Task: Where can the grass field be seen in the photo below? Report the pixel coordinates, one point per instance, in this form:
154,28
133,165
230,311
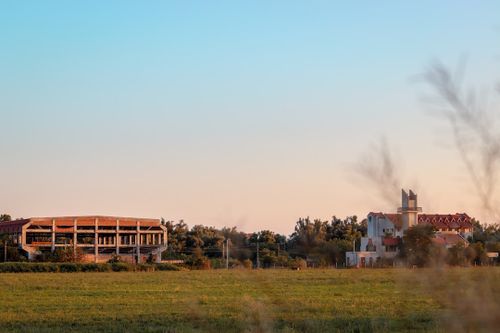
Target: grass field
377,300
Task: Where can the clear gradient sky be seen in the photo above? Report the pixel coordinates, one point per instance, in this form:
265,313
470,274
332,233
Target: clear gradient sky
235,113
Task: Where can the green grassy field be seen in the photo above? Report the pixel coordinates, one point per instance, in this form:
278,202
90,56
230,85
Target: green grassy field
377,300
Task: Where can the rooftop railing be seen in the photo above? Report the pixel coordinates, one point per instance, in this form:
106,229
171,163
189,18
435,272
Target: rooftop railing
409,209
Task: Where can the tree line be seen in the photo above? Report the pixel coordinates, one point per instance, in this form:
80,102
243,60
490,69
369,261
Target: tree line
313,243
318,242
418,248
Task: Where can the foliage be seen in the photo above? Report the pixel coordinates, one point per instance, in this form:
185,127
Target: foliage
456,255
326,242
166,267
247,263
5,218
115,259
9,251
486,234
418,247
67,254
298,264
70,267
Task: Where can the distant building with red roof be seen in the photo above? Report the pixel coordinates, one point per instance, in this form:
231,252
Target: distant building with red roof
385,231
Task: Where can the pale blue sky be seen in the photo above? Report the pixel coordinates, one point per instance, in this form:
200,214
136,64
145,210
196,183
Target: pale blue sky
243,113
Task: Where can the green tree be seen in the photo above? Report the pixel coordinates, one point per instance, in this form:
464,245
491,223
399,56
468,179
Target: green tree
476,254
456,255
308,235
418,246
4,241
67,254
177,237
5,218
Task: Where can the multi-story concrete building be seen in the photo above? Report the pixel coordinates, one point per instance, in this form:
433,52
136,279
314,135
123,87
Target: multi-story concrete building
385,231
97,238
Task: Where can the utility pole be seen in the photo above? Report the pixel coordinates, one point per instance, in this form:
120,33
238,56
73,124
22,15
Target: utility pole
227,253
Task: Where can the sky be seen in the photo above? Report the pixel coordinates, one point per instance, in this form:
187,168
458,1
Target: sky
230,113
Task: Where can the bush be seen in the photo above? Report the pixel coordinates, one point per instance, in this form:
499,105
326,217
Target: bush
67,254
144,268
217,263
121,267
199,262
384,262
92,267
167,267
25,267
114,259
298,264
68,267
247,263
52,267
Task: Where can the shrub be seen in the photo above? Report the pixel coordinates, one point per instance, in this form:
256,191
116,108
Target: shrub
298,264
121,267
217,263
247,263
384,262
92,267
167,267
150,259
68,267
198,262
52,267
144,268
114,259
42,267
25,267
67,254
234,263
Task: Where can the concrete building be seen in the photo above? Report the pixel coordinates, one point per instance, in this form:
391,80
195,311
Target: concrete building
385,231
98,238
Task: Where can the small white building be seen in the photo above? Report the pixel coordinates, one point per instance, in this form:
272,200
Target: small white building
385,231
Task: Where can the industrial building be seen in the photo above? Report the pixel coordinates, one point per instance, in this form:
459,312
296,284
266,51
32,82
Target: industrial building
96,238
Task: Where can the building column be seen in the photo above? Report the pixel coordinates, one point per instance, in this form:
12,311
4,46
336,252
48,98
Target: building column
158,256
53,238
138,242
74,237
96,239
117,237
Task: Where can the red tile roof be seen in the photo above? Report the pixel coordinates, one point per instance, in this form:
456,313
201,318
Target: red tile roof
16,225
454,222
13,226
394,218
448,239
442,221
391,241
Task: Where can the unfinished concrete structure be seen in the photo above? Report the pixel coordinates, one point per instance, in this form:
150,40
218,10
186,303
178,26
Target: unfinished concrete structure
97,238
